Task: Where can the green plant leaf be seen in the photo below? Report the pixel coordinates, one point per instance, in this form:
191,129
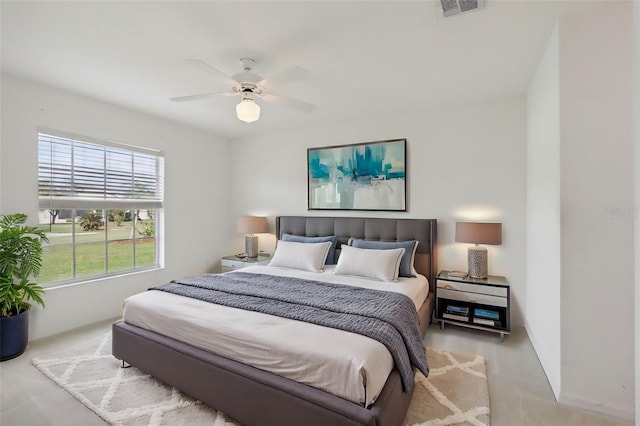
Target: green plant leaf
20,259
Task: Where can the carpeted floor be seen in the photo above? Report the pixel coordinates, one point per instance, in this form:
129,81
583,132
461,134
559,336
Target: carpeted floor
455,393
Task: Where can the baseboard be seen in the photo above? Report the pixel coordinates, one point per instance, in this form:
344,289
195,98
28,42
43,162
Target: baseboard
623,413
627,414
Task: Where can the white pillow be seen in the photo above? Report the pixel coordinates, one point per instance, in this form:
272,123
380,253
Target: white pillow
305,256
381,265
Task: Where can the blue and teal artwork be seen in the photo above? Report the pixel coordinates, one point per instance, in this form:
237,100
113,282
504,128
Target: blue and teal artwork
363,176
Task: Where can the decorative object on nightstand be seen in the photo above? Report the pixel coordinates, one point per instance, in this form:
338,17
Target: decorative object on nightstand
483,304
478,233
458,275
234,261
251,225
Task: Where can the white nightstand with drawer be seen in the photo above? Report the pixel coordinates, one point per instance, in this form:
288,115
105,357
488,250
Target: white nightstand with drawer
233,262
483,304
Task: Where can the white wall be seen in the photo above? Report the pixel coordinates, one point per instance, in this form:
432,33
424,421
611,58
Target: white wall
543,213
636,98
597,179
463,162
196,215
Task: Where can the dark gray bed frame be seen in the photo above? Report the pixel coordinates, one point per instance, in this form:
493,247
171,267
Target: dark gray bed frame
255,397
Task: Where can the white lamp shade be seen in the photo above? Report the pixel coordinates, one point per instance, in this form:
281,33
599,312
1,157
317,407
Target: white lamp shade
248,111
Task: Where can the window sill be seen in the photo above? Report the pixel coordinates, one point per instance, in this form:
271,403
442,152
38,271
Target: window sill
90,280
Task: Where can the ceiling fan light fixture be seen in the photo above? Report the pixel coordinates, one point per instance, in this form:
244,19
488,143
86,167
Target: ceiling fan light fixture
248,111
249,86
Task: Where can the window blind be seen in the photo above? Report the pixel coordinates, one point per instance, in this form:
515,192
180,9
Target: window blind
80,174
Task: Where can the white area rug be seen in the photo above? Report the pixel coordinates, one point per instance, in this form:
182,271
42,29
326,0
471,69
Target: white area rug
455,393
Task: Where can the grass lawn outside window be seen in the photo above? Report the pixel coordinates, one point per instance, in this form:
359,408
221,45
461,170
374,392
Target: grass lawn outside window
114,247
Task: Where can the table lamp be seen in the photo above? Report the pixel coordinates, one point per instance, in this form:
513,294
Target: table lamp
251,225
478,233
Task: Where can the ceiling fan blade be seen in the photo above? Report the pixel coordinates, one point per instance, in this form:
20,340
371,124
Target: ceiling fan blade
288,102
285,77
211,70
202,96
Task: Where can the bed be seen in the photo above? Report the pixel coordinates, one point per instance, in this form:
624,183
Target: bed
253,396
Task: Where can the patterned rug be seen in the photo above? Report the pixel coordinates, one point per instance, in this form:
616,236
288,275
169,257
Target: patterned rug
455,393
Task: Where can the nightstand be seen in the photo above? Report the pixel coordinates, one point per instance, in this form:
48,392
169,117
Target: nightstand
233,262
483,304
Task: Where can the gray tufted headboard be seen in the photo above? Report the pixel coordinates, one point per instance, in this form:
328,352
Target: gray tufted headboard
375,229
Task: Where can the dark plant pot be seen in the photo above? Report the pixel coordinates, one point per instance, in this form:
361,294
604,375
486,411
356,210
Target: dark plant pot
14,335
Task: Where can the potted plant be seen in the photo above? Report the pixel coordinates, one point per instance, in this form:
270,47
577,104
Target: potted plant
20,261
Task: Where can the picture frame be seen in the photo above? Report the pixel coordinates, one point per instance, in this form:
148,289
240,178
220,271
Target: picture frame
369,176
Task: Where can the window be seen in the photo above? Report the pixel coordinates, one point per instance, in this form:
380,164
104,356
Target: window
100,205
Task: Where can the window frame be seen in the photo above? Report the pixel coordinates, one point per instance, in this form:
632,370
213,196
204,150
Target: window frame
104,203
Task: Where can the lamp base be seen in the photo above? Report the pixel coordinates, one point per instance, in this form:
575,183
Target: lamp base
251,246
477,258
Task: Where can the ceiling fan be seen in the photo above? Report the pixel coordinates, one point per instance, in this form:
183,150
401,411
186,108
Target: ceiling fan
249,86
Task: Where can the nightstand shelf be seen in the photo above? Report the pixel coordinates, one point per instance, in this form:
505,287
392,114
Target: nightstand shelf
483,304
233,262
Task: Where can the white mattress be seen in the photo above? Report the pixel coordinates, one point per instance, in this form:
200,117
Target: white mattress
345,364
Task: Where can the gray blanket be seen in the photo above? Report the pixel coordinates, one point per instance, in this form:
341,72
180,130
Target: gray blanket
390,318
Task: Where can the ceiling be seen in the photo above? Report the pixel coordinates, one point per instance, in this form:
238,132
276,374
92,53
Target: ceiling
364,58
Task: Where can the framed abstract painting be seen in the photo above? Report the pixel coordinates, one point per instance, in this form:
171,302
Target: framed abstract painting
361,176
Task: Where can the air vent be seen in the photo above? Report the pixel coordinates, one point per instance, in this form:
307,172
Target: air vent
453,7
